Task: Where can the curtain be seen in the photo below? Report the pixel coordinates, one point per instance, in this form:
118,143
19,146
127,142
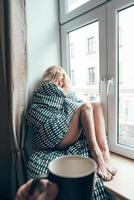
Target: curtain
17,76
5,148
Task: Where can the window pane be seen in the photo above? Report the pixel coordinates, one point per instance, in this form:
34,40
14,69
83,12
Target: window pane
126,77
84,61
73,4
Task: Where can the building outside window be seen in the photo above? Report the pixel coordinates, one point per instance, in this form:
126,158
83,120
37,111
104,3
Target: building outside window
88,86
72,77
126,78
91,46
91,76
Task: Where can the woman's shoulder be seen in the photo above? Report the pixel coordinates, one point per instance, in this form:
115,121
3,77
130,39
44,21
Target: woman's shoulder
49,89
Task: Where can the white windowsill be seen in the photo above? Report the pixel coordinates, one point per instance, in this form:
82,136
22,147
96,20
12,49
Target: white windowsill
122,186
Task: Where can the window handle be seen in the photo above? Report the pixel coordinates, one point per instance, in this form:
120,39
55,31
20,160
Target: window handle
102,85
108,83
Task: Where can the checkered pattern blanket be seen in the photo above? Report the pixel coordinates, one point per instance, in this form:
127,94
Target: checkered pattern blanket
49,115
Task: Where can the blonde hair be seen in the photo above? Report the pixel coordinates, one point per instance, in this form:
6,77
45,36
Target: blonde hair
53,73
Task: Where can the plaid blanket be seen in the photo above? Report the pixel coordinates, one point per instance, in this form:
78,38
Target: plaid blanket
49,115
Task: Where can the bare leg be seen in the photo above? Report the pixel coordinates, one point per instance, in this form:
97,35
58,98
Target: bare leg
87,120
101,136
83,118
74,130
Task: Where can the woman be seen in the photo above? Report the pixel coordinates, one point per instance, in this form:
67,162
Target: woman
63,125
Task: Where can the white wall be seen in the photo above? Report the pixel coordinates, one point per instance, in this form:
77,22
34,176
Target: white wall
43,43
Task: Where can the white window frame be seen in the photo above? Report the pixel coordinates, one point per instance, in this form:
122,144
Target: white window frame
106,14
67,16
92,16
112,41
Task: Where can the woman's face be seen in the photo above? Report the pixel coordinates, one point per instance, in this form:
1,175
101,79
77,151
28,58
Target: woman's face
59,81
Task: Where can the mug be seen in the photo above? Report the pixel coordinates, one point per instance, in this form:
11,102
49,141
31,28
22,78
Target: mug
74,175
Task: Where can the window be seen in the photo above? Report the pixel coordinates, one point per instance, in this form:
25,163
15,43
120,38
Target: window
73,8
73,77
73,4
121,92
91,48
85,88
91,75
97,53
86,83
126,78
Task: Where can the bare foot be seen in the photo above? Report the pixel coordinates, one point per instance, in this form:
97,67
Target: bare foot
109,167
102,170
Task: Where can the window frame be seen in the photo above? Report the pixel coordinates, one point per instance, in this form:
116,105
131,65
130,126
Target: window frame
67,16
112,45
91,45
106,14
99,14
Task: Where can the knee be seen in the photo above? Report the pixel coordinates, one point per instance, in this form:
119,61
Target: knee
86,106
96,107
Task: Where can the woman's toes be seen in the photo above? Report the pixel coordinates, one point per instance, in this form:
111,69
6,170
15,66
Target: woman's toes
111,169
106,176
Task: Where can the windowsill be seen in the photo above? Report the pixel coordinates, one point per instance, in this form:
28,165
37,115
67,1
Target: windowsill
122,186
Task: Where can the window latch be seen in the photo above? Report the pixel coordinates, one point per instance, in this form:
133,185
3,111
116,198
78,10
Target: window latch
108,83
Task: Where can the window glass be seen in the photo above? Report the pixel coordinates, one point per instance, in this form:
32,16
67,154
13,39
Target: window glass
91,76
91,45
73,4
84,61
126,77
